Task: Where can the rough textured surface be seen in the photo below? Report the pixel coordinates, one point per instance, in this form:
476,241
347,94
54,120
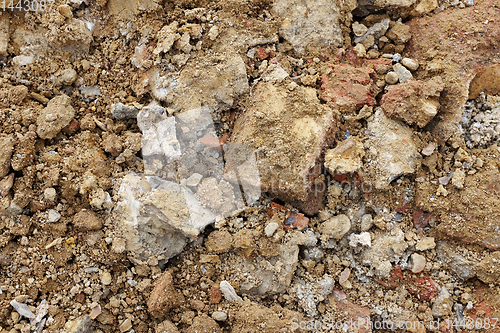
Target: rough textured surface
346,157
309,26
357,79
415,102
460,57
287,143
55,117
164,296
387,139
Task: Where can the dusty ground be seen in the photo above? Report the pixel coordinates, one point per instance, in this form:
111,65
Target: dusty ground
249,166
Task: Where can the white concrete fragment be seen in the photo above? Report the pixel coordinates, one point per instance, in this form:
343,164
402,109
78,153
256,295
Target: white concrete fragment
22,309
229,292
363,239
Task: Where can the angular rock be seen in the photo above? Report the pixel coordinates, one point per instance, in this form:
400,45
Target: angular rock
376,31
288,128
488,270
402,72
399,33
348,86
229,292
461,266
426,243
6,149
87,220
309,26
54,117
391,151
158,217
10,95
164,296
347,157
461,58
22,309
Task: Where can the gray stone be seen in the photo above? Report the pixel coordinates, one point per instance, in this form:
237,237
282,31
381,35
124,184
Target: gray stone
402,72
121,111
377,31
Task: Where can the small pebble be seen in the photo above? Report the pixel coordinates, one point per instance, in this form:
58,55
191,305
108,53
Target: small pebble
126,325
426,243
396,58
219,316
418,263
403,73
271,229
366,222
391,78
410,64
359,29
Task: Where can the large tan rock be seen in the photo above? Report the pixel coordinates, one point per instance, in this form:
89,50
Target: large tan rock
288,127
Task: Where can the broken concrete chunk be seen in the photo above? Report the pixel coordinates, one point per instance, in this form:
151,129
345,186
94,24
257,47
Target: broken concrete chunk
386,247
22,309
347,157
391,151
414,101
54,117
310,294
229,292
309,27
158,217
